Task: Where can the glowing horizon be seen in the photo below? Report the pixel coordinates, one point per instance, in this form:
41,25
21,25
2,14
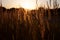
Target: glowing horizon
28,4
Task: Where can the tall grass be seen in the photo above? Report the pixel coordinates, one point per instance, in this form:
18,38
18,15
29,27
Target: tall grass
21,24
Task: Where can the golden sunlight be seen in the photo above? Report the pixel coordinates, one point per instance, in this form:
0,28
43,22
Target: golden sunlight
28,4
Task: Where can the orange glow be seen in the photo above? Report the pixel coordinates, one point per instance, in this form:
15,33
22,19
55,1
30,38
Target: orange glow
28,4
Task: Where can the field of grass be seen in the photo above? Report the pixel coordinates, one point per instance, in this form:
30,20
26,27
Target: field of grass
19,24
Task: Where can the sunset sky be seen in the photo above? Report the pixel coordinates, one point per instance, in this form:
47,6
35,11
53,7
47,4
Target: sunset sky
22,3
